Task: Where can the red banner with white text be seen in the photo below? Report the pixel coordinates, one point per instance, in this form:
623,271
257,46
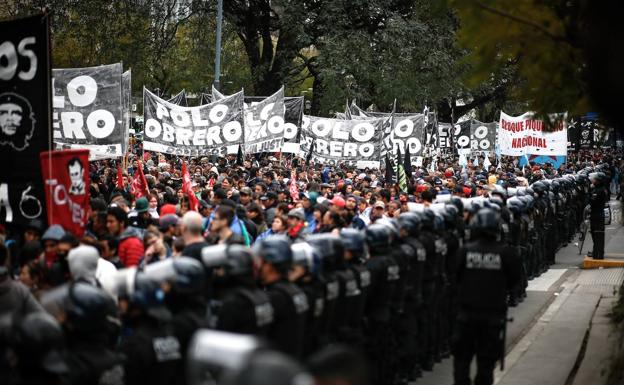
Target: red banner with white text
66,182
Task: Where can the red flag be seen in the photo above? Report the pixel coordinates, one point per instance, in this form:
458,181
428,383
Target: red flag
66,182
139,184
188,190
294,190
120,183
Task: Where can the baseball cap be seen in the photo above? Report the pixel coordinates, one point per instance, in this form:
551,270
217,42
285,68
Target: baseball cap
245,191
142,205
296,213
338,201
379,204
168,220
167,209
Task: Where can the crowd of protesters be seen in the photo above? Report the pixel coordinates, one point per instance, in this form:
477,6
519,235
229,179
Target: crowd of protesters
239,202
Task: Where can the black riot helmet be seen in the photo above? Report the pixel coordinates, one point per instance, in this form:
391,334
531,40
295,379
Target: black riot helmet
329,248
38,341
392,225
457,202
438,222
89,310
485,223
427,219
377,236
411,223
539,188
352,239
269,368
306,255
275,250
236,260
515,205
185,274
451,216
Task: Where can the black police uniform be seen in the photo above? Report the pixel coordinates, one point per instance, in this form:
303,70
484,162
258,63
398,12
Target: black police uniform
597,200
487,270
290,306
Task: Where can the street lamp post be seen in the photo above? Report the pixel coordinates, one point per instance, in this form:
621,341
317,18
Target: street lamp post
218,45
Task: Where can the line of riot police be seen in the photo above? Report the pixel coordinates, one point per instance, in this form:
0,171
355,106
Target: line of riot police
389,291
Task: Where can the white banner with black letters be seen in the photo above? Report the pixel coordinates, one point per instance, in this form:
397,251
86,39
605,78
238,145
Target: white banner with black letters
335,141
211,129
88,110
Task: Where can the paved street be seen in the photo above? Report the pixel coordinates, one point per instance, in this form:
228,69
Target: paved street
559,333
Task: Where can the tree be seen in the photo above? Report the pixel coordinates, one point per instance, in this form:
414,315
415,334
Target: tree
567,53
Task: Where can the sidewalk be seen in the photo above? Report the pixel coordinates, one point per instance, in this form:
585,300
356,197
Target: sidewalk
550,351
561,333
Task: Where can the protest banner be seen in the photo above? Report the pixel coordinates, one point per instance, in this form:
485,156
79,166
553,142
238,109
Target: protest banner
179,99
25,106
293,114
522,135
482,136
334,141
406,132
211,129
264,124
461,137
445,137
66,178
88,110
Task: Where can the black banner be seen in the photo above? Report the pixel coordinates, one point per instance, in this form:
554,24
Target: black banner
406,131
211,129
264,124
483,136
352,142
88,110
180,99
293,118
461,137
445,137
25,106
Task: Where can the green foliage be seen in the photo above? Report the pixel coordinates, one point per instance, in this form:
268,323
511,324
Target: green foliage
540,38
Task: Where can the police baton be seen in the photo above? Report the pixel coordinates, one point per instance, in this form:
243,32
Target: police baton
503,340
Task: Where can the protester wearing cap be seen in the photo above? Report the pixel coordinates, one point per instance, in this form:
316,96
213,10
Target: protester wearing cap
269,201
50,239
337,203
140,217
296,223
245,196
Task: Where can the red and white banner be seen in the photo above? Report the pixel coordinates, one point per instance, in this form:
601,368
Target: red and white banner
521,135
66,182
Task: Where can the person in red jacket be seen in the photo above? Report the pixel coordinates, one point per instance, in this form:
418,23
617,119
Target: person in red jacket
130,248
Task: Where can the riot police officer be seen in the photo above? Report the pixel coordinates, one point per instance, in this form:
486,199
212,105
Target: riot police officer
154,352
385,274
289,302
237,305
487,270
37,345
91,324
355,256
306,274
597,200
